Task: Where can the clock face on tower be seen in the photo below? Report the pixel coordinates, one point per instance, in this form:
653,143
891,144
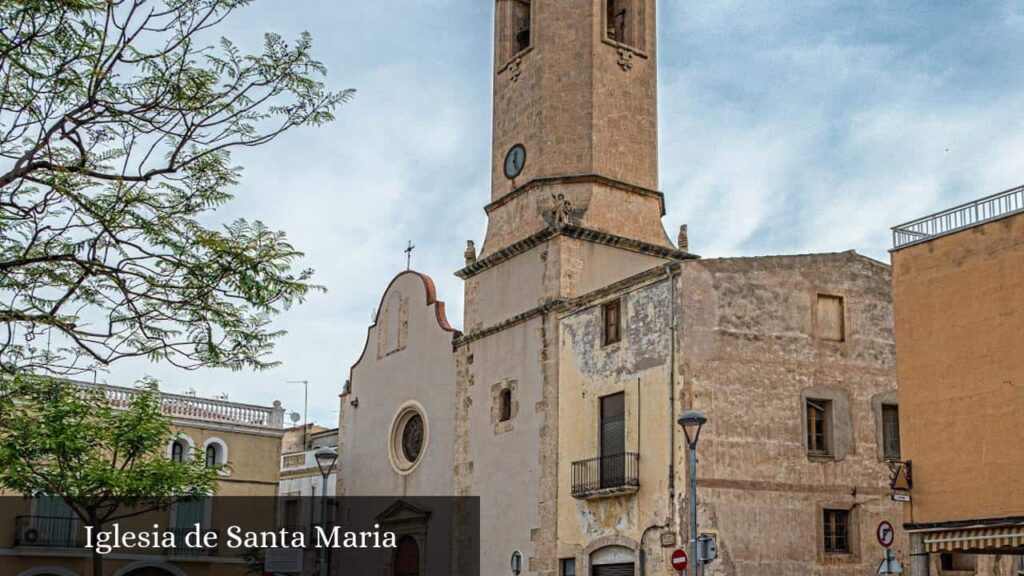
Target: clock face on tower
514,161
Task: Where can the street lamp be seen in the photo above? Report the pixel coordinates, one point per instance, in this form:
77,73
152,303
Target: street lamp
692,421
325,459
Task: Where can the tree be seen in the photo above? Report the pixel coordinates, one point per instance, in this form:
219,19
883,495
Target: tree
117,125
106,462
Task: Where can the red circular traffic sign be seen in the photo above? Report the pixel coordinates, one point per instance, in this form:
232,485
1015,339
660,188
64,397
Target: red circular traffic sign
885,533
679,559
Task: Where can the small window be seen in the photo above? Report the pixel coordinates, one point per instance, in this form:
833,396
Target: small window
515,32
624,21
568,566
819,424
837,531
211,456
612,315
1020,566
505,405
831,318
891,431
178,451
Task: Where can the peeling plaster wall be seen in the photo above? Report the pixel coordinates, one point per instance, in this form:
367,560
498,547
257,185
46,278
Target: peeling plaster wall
748,353
638,366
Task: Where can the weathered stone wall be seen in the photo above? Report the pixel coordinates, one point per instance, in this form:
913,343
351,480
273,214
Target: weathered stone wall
749,356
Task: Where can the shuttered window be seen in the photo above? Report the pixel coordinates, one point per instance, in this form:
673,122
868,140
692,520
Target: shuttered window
891,431
613,440
831,318
613,570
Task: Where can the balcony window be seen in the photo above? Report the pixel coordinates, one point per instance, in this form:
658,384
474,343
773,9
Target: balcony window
614,470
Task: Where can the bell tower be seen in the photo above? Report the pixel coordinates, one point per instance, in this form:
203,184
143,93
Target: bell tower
575,117
574,202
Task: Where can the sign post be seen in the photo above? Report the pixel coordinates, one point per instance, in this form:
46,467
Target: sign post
679,560
885,533
886,536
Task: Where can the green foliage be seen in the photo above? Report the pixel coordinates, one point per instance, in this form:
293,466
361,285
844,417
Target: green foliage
117,124
106,461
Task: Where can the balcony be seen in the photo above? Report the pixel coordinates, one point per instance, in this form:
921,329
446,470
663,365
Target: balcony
958,218
48,532
606,476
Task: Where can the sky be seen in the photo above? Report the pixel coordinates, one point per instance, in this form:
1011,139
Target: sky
785,127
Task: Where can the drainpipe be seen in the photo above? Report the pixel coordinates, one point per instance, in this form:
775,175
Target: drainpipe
671,396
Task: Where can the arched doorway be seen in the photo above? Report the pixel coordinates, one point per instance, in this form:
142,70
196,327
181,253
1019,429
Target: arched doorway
612,561
407,557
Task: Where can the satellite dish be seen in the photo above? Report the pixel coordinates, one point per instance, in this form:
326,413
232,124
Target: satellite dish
295,416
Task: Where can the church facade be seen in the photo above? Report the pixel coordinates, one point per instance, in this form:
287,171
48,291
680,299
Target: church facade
588,331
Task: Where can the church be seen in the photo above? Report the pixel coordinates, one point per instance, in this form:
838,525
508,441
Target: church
588,331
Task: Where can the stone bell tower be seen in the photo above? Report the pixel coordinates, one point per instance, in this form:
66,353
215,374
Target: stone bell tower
574,208
575,150
575,114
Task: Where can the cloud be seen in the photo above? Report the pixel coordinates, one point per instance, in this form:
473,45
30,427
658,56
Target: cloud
786,127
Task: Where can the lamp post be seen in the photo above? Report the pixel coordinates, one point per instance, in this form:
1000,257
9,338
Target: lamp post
692,421
325,459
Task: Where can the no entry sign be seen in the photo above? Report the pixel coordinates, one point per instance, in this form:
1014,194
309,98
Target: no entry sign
885,533
679,559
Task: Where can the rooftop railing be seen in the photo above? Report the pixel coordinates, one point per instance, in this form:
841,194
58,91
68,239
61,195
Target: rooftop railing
204,409
959,218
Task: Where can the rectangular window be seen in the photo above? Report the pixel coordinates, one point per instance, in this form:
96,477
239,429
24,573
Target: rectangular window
891,431
612,316
613,440
624,22
568,566
506,405
1020,566
831,318
514,28
837,531
819,424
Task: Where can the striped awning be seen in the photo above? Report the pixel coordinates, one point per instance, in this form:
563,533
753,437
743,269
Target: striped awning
975,539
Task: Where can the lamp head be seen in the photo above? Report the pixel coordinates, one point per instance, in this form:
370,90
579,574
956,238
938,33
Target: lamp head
692,421
325,459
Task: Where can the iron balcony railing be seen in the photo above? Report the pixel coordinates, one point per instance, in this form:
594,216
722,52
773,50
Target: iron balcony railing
606,474
48,532
959,218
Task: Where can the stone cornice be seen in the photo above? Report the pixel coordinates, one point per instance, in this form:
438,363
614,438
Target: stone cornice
571,231
577,179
